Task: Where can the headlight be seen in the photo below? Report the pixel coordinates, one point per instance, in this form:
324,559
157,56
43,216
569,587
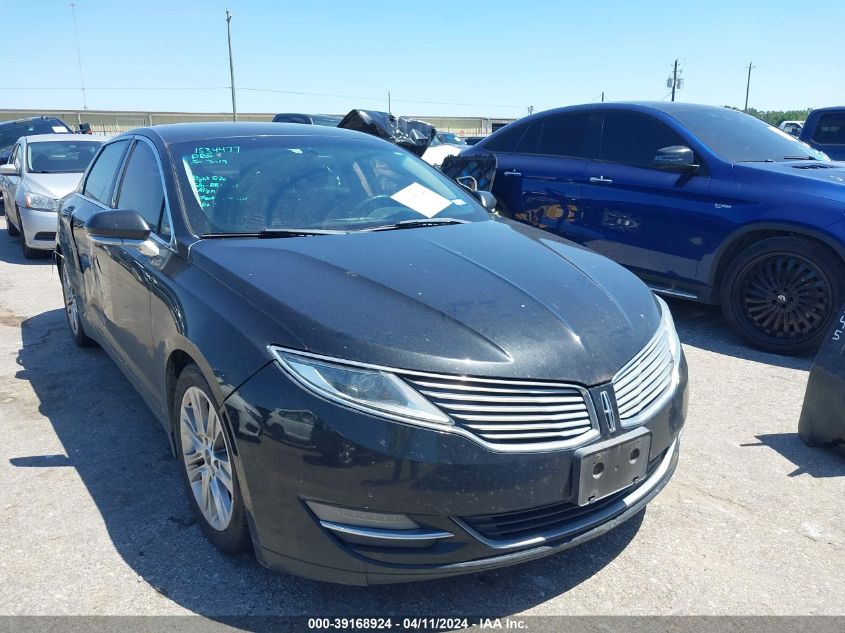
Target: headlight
372,390
37,201
667,324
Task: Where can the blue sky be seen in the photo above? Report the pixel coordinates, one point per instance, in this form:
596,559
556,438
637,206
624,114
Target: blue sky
498,57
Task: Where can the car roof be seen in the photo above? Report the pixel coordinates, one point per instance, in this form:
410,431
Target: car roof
179,132
829,109
39,138
30,119
668,107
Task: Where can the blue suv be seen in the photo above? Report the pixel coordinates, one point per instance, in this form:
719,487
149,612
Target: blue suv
702,202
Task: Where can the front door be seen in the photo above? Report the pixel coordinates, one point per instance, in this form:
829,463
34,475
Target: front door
648,220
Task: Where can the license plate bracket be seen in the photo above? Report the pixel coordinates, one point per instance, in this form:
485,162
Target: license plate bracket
606,468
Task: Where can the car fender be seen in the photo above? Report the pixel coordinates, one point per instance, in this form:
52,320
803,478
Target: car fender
718,263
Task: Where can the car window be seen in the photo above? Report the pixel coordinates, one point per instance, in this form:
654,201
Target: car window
247,184
508,139
633,139
15,157
60,157
564,135
830,129
141,189
100,180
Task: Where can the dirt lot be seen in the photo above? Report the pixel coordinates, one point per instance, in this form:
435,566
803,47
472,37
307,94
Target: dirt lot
93,519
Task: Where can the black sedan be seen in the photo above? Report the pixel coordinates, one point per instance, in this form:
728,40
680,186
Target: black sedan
364,374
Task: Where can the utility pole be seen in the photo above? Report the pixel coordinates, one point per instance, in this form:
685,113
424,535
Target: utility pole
602,96
389,111
231,65
748,86
674,80
78,56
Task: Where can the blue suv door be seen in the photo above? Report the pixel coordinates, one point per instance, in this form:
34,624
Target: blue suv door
646,219
539,165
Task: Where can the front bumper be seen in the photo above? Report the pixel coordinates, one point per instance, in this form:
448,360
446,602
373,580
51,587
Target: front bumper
38,228
292,447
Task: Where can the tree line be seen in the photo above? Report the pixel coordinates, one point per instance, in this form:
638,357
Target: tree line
776,117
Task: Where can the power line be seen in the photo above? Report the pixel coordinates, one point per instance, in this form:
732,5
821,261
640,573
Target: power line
78,56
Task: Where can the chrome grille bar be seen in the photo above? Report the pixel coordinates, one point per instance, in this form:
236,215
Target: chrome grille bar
512,414
644,378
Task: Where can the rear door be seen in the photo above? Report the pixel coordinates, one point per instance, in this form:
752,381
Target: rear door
538,174
97,195
643,218
550,186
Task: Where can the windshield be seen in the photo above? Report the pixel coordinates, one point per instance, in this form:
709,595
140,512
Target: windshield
251,184
11,132
740,137
450,139
60,157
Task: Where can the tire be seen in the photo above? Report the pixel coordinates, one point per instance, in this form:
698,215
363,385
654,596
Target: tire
28,253
204,469
74,317
11,229
782,293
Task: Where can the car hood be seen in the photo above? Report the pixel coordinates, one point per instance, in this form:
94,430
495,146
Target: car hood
52,185
826,180
491,298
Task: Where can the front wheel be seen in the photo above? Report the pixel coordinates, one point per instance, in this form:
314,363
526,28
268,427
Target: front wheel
207,464
781,294
11,229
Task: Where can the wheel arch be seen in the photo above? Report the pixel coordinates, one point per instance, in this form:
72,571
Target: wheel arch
747,235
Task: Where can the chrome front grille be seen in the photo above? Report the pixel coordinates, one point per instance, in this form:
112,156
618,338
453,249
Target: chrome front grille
511,414
645,378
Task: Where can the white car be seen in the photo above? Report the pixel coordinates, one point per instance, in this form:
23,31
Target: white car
444,144
42,170
792,127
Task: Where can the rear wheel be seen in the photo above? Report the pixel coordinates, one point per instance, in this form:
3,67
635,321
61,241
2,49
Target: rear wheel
72,312
207,464
781,294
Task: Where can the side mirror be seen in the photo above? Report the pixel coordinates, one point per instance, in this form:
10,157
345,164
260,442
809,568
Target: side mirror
118,224
9,169
675,158
487,199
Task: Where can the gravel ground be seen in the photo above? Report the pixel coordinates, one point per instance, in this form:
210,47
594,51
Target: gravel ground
93,519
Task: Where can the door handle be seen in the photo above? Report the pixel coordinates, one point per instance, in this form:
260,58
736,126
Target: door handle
601,180
513,173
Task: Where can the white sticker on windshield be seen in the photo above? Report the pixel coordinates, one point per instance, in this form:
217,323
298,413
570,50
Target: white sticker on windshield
58,129
421,199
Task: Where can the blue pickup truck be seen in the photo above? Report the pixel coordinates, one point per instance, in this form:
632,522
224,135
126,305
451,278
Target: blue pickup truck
825,131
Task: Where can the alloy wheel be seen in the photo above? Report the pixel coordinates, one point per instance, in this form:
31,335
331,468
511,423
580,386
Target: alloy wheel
70,301
207,458
786,296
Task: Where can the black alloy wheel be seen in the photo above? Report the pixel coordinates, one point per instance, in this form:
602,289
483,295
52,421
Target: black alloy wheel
781,293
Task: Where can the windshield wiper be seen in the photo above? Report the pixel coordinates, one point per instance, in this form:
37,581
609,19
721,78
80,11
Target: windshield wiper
412,224
800,158
271,233
274,233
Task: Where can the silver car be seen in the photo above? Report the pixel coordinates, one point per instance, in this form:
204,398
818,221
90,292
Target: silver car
41,170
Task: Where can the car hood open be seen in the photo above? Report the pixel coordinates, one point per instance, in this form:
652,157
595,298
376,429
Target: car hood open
490,298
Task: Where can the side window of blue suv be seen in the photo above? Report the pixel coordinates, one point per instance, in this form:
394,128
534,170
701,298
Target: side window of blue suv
633,139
